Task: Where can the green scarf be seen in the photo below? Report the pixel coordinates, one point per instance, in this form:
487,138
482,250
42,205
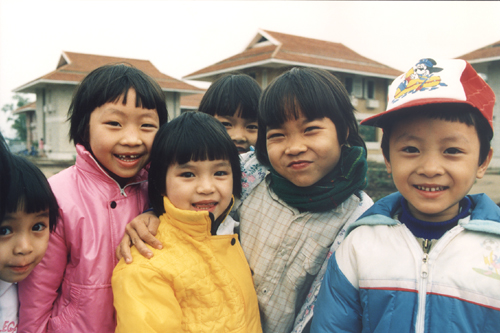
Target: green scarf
348,177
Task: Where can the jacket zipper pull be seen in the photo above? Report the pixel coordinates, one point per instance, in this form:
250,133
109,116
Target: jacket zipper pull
426,245
424,269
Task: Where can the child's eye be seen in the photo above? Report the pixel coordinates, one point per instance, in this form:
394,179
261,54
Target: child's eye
187,174
311,128
452,151
113,123
149,125
221,173
4,231
252,127
39,227
411,150
226,124
274,136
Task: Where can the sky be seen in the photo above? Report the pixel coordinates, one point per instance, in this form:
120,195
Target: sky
181,37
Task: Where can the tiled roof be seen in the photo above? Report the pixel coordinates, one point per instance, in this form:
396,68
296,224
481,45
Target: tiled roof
285,50
191,101
25,108
487,53
73,67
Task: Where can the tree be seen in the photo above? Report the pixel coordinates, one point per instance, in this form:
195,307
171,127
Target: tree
20,119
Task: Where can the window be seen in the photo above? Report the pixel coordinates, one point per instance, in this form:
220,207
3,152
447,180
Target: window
348,84
370,89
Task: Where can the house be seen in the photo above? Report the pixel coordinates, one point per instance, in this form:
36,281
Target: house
29,110
486,61
271,53
55,90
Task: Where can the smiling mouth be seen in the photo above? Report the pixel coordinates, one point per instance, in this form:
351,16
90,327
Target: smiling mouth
430,189
241,150
128,158
204,205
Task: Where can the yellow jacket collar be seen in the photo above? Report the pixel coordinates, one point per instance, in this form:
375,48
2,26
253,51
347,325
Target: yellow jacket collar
197,224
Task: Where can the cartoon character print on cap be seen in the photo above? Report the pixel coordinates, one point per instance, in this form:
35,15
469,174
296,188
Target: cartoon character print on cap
420,78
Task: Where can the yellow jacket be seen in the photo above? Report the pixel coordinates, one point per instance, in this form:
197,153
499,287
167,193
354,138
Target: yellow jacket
196,283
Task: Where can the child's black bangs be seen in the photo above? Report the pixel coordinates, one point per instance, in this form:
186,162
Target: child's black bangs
230,96
246,100
117,82
288,102
30,191
114,92
180,146
203,151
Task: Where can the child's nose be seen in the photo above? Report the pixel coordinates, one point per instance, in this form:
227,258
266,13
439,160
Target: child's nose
430,166
23,245
295,146
238,134
205,186
131,137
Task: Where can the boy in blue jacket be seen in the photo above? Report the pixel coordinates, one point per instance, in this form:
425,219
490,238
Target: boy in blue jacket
427,258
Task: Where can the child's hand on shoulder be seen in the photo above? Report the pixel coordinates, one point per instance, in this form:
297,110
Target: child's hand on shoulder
139,232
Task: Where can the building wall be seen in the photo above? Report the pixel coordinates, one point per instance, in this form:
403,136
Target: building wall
52,109
173,101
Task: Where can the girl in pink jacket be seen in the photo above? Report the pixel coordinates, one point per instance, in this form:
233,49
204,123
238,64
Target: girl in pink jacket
114,116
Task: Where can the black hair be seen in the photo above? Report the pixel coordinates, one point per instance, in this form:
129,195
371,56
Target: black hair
460,112
192,136
316,94
107,84
4,174
229,93
29,191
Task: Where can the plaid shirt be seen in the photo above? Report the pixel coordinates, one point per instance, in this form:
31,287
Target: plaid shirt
286,250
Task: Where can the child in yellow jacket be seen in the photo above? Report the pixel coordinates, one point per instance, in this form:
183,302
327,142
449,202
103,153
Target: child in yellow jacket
200,281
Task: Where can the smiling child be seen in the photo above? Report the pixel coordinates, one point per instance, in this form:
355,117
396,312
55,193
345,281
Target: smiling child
425,258
114,116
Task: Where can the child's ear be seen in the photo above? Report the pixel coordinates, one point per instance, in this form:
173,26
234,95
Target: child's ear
387,165
483,167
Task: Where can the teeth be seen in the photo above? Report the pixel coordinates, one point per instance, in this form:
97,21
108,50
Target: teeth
204,206
128,157
430,189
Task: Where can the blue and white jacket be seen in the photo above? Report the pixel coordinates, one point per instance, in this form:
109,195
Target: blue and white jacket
381,280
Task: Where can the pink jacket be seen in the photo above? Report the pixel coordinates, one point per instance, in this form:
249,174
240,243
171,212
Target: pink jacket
70,290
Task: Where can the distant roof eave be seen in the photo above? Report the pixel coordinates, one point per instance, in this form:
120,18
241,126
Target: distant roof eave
480,60
29,87
32,84
182,91
287,63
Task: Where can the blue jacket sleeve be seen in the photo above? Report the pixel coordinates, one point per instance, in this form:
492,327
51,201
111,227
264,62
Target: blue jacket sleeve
338,308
